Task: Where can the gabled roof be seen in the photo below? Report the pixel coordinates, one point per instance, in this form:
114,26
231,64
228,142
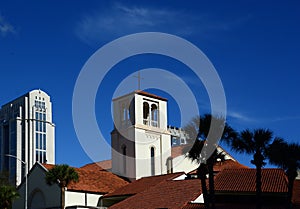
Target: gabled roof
94,179
179,150
227,164
144,93
105,164
243,180
166,194
142,184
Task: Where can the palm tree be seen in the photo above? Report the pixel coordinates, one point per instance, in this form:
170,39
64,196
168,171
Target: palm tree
254,142
209,135
202,170
62,175
286,156
7,194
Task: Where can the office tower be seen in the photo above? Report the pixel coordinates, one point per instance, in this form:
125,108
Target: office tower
27,134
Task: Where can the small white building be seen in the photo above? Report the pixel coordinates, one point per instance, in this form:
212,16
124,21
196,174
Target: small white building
93,183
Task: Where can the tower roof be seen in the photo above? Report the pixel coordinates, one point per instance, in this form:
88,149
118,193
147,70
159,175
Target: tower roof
144,93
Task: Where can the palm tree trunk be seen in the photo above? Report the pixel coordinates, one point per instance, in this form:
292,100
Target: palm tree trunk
258,187
202,176
291,179
62,200
211,183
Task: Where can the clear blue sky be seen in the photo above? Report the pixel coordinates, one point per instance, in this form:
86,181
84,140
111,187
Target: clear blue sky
254,46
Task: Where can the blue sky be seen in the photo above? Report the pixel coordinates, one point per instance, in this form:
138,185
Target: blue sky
254,46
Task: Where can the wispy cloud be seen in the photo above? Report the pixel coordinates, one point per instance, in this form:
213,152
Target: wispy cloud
240,116
120,19
5,27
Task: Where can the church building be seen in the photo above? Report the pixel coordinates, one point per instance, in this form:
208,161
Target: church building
141,143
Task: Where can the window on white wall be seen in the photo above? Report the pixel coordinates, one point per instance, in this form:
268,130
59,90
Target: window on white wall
125,117
154,115
152,154
146,113
124,150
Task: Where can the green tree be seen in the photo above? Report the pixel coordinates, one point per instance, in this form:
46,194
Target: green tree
7,192
254,142
62,175
287,157
207,138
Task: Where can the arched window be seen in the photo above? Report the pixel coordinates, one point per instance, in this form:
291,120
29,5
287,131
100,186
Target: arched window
37,199
154,115
152,154
146,113
124,115
124,150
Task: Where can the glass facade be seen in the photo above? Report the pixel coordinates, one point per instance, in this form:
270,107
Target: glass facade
40,132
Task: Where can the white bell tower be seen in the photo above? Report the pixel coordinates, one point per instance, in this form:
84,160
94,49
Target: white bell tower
141,143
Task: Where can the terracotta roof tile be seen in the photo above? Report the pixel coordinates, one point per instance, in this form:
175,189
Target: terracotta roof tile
179,150
166,194
95,179
142,184
233,206
243,180
48,166
228,164
106,164
194,206
150,95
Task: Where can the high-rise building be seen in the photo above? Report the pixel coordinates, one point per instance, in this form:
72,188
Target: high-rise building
27,134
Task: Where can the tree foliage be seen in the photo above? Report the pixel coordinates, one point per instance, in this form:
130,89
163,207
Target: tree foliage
7,192
62,175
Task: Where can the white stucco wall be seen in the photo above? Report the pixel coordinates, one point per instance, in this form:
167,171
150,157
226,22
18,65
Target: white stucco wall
38,190
181,163
140,137
81,198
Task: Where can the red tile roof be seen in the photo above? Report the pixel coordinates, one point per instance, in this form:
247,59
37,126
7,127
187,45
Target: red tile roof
150,95
94,179
179,150
142,184
228,164
233,206
162,192
48,166
105,164
243,180
166,194
194,206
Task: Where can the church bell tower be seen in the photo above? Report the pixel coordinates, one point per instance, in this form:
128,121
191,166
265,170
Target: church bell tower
141,143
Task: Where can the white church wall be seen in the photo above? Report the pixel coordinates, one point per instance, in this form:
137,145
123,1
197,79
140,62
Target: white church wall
81,198
38,190
181,163
147,132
